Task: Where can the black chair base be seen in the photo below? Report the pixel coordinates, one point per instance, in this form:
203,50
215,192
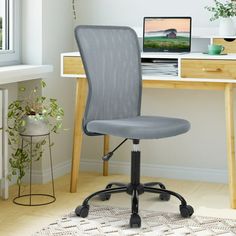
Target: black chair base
135,220
135,188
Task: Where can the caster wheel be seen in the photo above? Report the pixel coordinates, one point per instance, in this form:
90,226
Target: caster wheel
186,211
164,196
135,221
82,211
104,196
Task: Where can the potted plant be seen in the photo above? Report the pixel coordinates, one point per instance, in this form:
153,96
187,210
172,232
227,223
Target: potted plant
31,115
224,12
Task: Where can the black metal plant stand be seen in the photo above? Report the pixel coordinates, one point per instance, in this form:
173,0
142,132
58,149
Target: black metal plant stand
52,196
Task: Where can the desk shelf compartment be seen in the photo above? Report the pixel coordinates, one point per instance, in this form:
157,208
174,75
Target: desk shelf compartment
211,69
160,67
228,43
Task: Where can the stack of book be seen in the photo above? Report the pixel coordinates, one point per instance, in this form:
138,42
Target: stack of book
160,67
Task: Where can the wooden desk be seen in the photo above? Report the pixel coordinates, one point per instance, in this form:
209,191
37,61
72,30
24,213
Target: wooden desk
217,76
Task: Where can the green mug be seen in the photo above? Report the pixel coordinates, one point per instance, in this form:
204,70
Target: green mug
215,49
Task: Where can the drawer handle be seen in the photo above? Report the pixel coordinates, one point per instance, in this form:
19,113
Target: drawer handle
211,69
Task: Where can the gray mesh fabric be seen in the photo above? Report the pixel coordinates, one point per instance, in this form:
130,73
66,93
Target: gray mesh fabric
111,58
141,127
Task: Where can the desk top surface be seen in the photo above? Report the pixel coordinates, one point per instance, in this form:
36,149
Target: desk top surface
166,78
197,55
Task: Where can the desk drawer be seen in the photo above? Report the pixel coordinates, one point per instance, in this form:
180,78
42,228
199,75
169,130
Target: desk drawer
73,65
211,69
230,44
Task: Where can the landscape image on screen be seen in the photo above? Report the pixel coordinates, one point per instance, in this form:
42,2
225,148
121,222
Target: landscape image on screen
168,34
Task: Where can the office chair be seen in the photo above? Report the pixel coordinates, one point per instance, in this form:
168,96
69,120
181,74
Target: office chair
111,59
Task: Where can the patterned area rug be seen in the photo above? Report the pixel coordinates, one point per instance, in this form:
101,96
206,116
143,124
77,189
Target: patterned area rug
110,221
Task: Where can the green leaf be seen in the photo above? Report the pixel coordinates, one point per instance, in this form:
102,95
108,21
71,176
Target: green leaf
43,142
10,113
43,84
11,106
38,145
22,89
53,100
227,9
19,151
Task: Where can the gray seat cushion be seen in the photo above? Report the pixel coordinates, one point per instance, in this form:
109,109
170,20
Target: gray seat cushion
140,127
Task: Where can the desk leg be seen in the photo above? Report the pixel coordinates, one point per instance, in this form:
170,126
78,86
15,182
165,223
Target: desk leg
105,151
81,94
229,111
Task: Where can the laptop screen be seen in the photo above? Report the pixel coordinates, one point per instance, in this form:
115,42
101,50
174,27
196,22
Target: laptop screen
167,34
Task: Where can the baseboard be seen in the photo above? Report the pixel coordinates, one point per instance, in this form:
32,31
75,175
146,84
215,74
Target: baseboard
44,176
165,171
118,167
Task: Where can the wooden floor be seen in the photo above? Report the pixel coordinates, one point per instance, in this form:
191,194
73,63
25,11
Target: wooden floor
206,198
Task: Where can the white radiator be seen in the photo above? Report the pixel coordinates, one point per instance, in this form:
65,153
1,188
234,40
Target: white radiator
3,144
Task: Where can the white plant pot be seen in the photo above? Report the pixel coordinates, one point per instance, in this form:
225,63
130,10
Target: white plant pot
226,27
35,126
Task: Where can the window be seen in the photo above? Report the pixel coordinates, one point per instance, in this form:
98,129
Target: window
9,32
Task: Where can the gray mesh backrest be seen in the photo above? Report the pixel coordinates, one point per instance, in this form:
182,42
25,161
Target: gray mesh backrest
111,59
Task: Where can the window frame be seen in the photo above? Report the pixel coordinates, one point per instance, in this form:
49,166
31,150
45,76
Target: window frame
12,56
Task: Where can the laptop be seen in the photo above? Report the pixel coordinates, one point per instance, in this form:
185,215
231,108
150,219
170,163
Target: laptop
167,34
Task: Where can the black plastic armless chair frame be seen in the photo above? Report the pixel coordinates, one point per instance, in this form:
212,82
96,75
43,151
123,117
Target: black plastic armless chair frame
111,58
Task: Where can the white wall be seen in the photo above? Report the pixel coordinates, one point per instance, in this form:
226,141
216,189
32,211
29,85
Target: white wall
31,31
199,154
57,38
131,12
47,31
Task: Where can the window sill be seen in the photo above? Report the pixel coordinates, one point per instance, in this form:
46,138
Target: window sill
18,73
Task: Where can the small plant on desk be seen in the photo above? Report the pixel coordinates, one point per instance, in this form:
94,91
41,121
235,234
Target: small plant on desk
224,12
33,115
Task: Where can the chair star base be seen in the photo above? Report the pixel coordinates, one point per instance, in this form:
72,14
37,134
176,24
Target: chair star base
135,188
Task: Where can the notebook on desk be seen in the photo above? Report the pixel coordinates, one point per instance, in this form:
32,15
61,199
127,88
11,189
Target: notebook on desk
167,35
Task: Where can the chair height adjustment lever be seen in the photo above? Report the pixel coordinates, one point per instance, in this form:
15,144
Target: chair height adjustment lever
107,156
110,154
